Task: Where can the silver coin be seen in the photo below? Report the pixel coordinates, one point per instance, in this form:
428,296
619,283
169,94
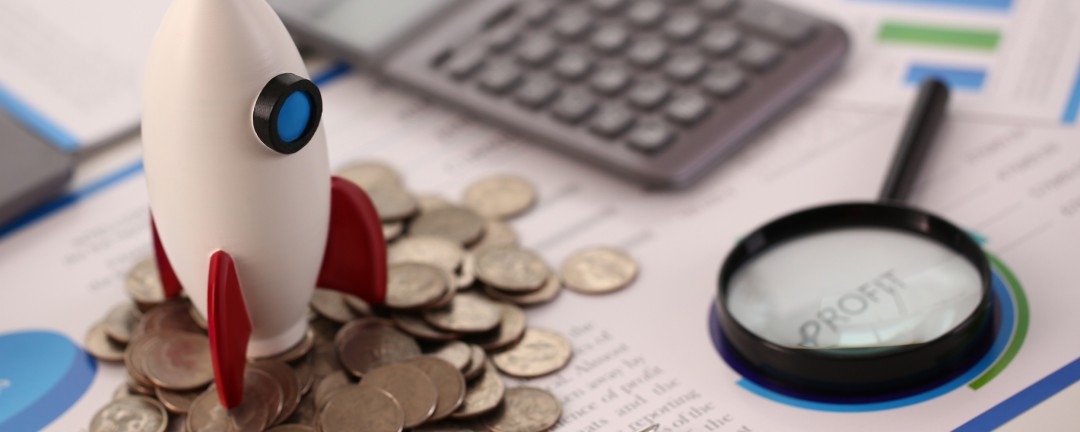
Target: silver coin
134,414
172,315
176,402
510,330
179,361
598,270
366,344
292,428
483,395
477,361
289,383
123,391
447,379
362,409
138,389
208,415
496,233
143,283
467,313
436,251
392,230
410,386
359,307
414,285
511,269
120,322
432,202
305,371
456,224
550,291
540,352
371,175
525,409
456,353
330,385
97,343
452,426
393,203
500,197
416,327
198,318
466,276
331,305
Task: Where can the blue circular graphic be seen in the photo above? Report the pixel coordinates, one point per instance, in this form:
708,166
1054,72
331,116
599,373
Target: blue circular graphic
42,374
295,116
1005,318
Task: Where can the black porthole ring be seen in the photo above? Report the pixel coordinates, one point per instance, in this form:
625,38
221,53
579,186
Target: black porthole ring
268,108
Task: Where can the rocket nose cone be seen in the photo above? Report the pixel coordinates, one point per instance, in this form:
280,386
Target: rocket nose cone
287,113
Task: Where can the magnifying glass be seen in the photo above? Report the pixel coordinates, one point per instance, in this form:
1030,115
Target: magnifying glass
861,299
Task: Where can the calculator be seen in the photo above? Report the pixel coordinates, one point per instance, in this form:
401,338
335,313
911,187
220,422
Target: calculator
657,91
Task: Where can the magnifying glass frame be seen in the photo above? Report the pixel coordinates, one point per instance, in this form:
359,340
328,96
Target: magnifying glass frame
875,371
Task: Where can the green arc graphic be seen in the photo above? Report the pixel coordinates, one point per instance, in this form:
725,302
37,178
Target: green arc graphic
1019,332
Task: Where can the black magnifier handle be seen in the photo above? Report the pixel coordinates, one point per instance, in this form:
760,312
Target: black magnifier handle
919,132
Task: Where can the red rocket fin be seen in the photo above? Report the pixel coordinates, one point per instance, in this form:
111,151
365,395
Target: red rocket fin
230,329
355,258
169,281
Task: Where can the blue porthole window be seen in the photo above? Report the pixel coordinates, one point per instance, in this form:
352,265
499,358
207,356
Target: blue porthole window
287,113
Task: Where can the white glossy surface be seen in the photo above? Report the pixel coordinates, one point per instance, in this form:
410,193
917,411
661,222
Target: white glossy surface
212,183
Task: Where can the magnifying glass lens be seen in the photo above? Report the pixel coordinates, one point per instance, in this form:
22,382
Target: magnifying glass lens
852,290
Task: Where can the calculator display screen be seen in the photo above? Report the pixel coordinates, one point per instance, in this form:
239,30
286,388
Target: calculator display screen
367,25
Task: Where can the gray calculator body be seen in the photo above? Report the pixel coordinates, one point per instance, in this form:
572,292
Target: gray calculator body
657,91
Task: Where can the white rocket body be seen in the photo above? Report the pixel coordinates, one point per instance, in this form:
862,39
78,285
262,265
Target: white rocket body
213,185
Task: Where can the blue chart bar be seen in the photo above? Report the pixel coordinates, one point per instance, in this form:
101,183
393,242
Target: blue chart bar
958,78
1072,108
989,5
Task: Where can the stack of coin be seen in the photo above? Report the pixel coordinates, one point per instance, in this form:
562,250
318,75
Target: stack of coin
427,360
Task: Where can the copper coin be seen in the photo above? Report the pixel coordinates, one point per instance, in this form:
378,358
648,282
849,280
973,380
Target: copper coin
289,383
177,402
179,361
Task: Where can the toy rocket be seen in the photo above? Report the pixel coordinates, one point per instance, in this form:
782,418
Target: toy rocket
246,216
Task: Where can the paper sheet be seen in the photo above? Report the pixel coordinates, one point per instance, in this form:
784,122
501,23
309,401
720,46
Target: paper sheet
645,355
72,69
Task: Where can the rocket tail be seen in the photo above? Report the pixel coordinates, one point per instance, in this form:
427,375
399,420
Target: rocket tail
355,258
230,329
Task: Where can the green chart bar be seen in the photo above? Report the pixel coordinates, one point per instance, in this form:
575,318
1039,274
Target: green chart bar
919,34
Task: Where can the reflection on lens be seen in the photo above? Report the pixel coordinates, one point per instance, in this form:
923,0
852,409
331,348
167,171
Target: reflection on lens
854,289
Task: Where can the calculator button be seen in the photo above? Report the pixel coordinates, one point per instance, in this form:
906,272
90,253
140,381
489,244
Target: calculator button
574,106
777,23
536,50
687,108
536,12
723,81
759,55
536,91
647,52
610,80
500,77
721,40
573,24
572,65
465,62
503,37
650,136
607,6
646,13
611,120
648,93
609,39
683,26
685,67
717,7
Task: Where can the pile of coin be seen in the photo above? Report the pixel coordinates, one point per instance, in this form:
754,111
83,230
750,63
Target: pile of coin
429,359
